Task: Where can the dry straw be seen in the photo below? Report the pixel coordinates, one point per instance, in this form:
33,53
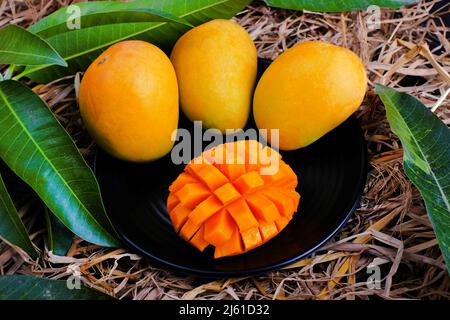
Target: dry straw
390,230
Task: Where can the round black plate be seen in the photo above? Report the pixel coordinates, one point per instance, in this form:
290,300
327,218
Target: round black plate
332,174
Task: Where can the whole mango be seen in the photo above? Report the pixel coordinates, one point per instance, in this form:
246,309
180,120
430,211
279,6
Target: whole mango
129,101
307,91
216,65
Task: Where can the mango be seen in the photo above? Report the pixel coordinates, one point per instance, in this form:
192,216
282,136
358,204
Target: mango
308,91
129,101
234,216
216,65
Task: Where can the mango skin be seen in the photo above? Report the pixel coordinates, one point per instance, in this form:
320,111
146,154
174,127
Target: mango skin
129,101
216,65
308,91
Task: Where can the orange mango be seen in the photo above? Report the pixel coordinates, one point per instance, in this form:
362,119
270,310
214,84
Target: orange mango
181,181
284,203
204,210
249,182
172,201
198,240
179,216
242,215
219,228
192,194
262,207
232,247
251,238
188,230
268,230
227,193
226,201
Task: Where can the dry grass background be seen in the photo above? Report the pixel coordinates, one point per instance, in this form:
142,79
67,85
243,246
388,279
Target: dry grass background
390,230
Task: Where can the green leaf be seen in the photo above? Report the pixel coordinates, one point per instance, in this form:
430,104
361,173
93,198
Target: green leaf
38,149
19,46
11,226
81,47
337,5
59,238
426,145
18,287
100,13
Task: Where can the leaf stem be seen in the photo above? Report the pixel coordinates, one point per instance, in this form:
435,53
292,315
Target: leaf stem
9,72
28,71
20,76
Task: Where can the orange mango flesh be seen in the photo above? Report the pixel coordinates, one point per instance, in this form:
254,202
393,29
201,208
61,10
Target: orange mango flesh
172,202
282,202
263,208
249,182
192,194
268,230
211,177
179,215
205,210
232,247
227,193
224,200
182,180
282,223
198,240
188,230
219,228
251,238
242,215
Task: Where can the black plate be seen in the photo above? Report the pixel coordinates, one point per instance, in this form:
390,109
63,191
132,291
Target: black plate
332,174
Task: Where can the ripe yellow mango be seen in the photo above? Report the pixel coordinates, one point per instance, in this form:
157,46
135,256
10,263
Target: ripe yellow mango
216,65
307,91
129,101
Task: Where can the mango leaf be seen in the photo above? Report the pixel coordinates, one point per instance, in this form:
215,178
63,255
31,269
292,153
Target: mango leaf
81,47
88,14
38,149
18,287
19,46
59,238
11,226
426,145
337,5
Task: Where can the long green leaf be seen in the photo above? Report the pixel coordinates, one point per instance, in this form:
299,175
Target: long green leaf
426,145
81,47
59,238
337,5
19,46
17,287
38,149
100,13
11,226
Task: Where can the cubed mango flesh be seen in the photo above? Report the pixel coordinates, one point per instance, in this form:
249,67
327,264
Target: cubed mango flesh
223,199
